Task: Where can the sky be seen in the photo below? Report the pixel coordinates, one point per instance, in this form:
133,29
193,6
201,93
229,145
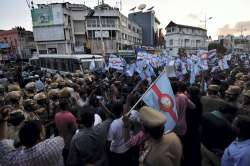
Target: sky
229,16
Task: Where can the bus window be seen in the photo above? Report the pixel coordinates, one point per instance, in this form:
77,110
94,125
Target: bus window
63,64
76,65
48,63
68,65
85,65
55,64
98,64
43,62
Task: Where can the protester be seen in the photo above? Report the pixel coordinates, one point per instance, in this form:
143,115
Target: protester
119,134
97,117
217,133
36,150
182,104
88,145
237,154
66,122
192,136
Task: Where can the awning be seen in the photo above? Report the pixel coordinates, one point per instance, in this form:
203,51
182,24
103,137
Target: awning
4,45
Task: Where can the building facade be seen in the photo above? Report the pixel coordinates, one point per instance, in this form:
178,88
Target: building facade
237,44
19,41
59,28
150,27
109,31
185,37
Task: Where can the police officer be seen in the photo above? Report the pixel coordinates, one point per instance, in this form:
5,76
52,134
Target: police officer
232,94
30,90
2,93
42,106
53,99
245,107
212,101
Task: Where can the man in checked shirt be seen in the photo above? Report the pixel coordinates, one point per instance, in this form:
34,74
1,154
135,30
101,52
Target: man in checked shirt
35,151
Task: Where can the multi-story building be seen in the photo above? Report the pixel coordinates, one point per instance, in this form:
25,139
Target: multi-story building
110,31
237,44
185,37
150,27
20,42
59,28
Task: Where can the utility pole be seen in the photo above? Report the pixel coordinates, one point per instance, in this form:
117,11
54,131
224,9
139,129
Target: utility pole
205,22
241,30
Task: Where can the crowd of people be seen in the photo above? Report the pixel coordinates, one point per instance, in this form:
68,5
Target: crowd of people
75,119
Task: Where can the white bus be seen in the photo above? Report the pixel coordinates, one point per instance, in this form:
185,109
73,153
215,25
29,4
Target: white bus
66,63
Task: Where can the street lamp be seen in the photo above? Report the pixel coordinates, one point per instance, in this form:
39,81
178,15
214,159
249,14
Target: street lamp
206,20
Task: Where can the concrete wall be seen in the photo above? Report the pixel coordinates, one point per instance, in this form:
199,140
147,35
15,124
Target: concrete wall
146,21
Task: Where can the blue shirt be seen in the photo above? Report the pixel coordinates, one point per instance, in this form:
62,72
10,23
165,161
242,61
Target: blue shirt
39,85
237,154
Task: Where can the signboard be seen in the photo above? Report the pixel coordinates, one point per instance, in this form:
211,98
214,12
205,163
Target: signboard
55,33
42,16
104,34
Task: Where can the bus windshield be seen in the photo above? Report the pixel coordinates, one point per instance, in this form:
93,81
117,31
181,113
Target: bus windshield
86,64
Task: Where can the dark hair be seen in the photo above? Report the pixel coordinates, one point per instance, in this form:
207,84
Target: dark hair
174,85
87,116
182,87
194,92
117,108
156,132
243,123
29,133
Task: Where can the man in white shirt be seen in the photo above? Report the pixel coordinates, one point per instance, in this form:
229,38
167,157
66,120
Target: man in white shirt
120,149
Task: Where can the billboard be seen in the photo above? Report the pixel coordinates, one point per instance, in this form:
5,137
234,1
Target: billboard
50,33
99,34
42,16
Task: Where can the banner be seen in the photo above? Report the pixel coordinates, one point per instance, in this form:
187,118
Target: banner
42,16
116,63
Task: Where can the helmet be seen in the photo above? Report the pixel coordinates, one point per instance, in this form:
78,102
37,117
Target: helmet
53,92
66,92
29,105
31,86
13,87
14,95
40,96
54,85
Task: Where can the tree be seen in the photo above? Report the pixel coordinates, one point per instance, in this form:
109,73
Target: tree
218,46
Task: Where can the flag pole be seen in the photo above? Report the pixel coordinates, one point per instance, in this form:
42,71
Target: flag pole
145,93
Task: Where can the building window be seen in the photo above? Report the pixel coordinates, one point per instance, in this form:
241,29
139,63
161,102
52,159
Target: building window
171,42
52,50
169,30
187,42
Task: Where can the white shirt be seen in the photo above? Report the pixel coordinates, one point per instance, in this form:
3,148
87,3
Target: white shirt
116,134
98,120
